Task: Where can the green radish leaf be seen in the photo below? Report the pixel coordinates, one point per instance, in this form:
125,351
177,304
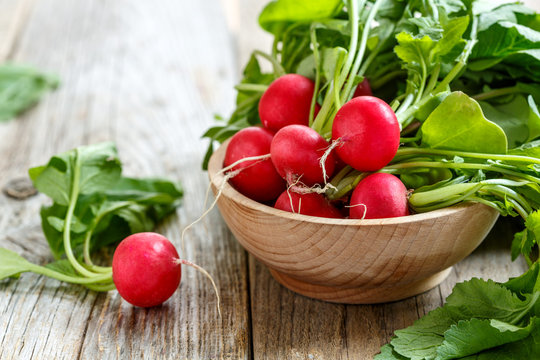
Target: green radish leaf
20,88
459,124
505,38
12,264
534,119
278,14
531,149
475,298
388,353
518,243
98,166
109,206
490,300
473,336
512,117
526,283
63,267
422,339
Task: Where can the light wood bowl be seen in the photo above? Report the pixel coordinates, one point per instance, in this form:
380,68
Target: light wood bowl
352,261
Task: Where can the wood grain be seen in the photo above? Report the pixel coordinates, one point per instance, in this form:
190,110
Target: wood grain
347,260
130,73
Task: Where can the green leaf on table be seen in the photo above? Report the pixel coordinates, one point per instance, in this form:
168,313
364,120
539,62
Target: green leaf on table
63,267
421,339
459,124
108,207
388,353
20,88
97,166
473,336
475,298
278,14
486,299
12,264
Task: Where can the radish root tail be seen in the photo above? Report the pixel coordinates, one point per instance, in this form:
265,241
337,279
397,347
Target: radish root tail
365,209
226,178
204,272
322,162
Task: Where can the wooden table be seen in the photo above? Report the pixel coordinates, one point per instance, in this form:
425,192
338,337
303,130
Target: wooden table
150,75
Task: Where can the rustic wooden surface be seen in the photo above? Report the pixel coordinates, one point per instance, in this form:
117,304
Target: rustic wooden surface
150,76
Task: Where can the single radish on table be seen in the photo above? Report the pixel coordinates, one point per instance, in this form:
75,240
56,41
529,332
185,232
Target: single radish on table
312,204
287,101
379,196
146,269
256,179
368,133
296,152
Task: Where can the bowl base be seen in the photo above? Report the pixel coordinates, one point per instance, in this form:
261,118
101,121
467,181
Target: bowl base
360,295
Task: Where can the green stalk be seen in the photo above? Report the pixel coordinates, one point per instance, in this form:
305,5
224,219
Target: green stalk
417,199
497,92
353,4
433,79
462,61
423,83
346,95
475,166
322,117
403,107
101,287
374,54
465,154
251,87
317,59
379,82
278,69
42,270
69,215
506,192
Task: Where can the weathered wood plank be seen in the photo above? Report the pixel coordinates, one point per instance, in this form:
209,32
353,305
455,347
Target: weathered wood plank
12,18
149,76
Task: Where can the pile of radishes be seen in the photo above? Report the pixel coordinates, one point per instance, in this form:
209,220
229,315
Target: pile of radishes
289,165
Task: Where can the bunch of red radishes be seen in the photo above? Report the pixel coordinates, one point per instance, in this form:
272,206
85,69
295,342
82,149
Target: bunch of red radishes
294,177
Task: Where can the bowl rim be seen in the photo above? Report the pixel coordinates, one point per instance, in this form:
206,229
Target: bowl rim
216,180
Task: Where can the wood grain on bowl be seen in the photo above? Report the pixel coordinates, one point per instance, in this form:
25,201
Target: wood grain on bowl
352,261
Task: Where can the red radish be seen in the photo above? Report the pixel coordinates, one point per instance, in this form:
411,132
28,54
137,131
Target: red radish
296,152
368,131
363,89
146,269
258,179
312,204
287,101
379,196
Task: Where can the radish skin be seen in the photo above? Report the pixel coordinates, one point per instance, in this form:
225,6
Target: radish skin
312,204
296,153
145,269
379,196
256,179
368,131
287,101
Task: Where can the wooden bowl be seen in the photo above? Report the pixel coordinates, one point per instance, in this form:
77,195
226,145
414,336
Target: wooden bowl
348,260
